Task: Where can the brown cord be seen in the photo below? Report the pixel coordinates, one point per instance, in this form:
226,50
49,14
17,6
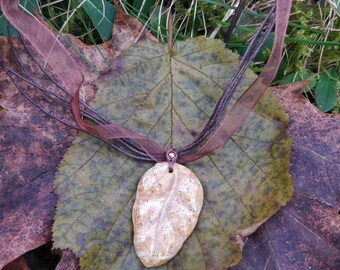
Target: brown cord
130,143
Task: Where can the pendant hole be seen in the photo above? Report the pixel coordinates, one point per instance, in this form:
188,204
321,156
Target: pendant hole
171,157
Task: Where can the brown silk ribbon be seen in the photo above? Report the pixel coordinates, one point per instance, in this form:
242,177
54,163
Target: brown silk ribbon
234,119
67,72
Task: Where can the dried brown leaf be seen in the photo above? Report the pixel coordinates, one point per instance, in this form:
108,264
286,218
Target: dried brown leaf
31,146
127,31
68,261
18,264
305,233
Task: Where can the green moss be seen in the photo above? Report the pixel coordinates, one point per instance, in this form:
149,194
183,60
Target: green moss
307,56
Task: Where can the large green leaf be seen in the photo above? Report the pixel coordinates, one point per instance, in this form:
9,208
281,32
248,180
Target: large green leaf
169,98
102,14
326,90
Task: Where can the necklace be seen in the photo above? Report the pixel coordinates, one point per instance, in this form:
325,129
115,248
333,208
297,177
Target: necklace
215,133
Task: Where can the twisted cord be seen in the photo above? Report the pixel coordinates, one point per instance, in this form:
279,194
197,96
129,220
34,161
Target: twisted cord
128,146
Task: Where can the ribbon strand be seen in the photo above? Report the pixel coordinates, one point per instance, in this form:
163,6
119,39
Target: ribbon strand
221,125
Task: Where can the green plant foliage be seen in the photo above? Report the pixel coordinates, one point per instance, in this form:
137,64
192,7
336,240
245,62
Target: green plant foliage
90,20
169,97
158,21
29,5
326,90
3,26
102,15
304,54
143,6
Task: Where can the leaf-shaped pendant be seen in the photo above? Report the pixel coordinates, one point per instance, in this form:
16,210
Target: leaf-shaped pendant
165,212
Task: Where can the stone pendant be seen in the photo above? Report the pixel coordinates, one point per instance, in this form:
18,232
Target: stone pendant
165,212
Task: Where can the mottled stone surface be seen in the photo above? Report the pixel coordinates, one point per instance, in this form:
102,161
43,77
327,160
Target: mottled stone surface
165,212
